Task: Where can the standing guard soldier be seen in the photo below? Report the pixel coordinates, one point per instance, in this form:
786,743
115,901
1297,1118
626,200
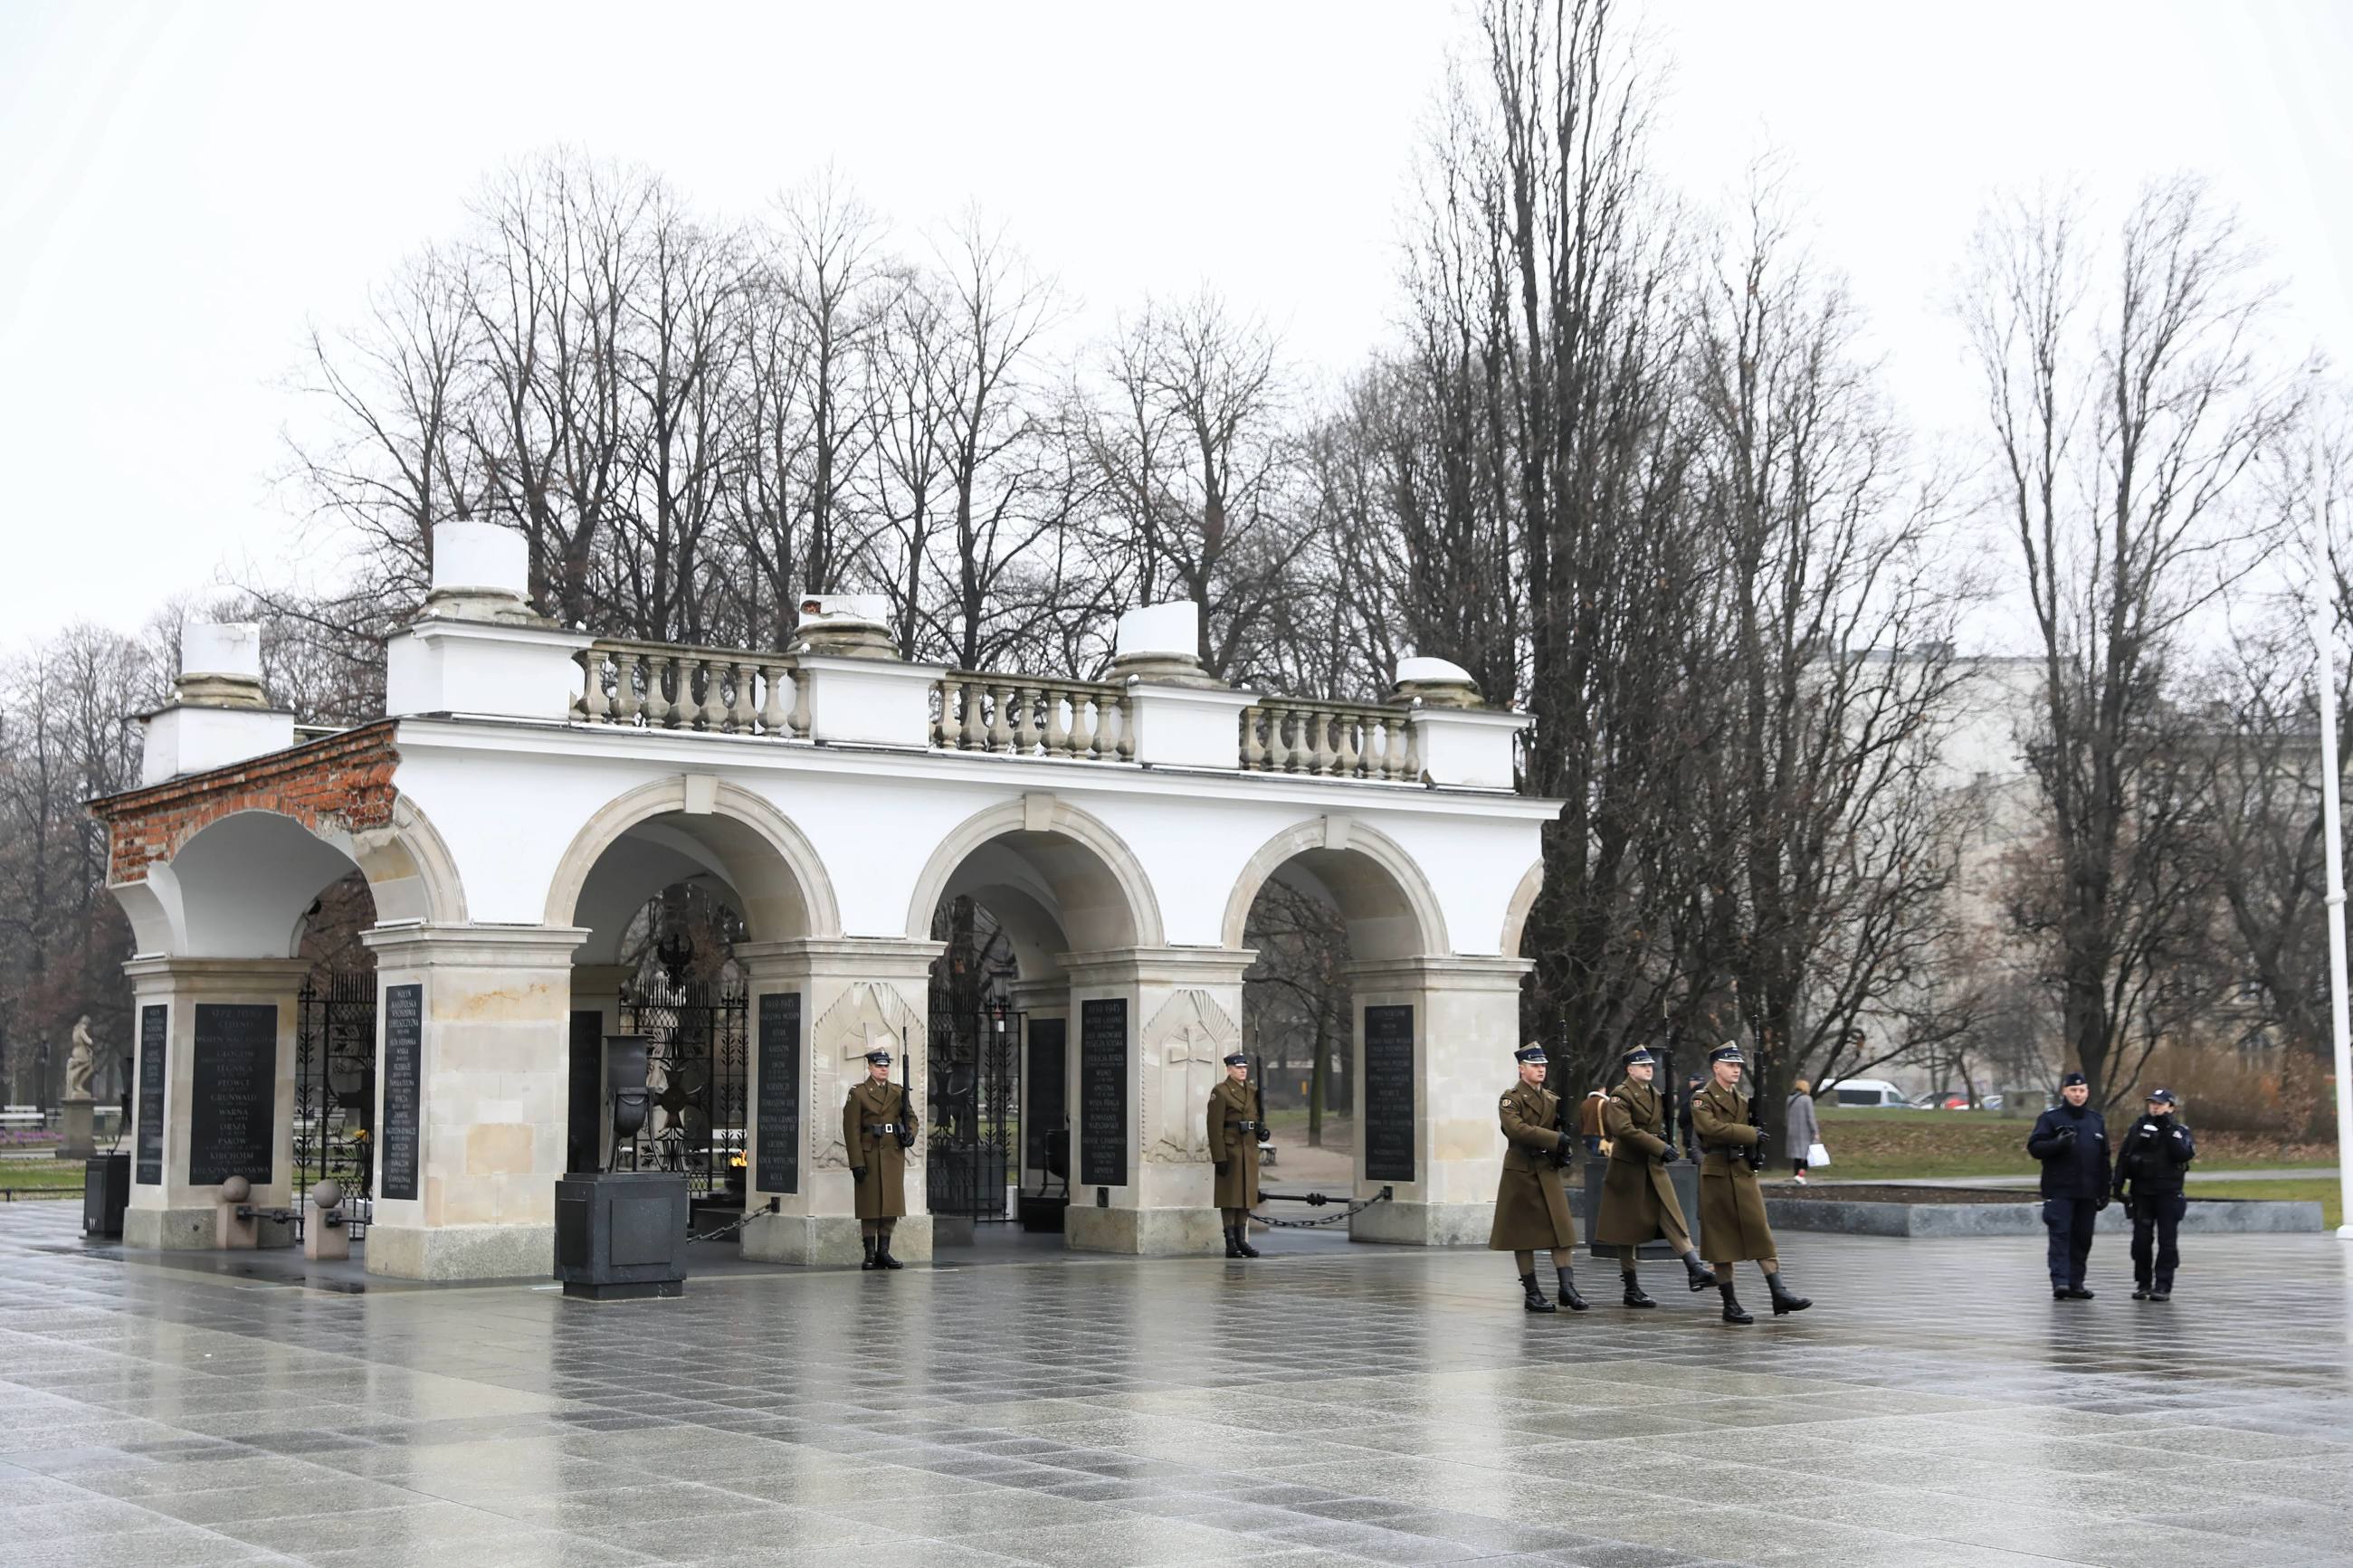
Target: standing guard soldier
1731,1206
2154,1159
1637,1200
1531,1205
877,1128
1234,1129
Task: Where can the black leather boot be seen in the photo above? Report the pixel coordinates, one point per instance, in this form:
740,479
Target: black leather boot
1568,1295
1533,1299
1233,1243
1784,1298
1701,1276
1634,1297
2161,1291
1242,1240
1734,1312
869,1252
882,1258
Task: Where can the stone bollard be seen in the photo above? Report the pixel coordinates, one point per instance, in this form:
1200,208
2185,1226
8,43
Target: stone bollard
231,1227
324,1234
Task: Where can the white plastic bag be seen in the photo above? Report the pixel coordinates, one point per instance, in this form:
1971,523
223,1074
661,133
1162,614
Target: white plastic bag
1817,1156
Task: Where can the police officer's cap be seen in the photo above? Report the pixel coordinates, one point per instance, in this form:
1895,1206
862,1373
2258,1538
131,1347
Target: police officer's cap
2072,1079
1727,1052
1238,1061
1640,1057
2160,1096
1530,1053
878,1056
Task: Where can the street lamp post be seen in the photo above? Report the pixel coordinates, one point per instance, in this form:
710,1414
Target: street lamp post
2340,1022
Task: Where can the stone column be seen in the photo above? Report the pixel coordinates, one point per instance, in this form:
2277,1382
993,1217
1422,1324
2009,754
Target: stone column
492,1044
1465,1023
1048,1003
834,999
248,1100
1180,1008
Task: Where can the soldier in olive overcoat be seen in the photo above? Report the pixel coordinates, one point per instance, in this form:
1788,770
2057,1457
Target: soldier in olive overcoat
1531,1206
1234,1127
1638,1202
1731,1206
877,1128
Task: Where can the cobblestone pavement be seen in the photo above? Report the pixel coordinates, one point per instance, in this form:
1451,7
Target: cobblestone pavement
1330,1405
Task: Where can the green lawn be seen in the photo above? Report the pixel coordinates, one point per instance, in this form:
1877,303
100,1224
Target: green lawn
1884,1145
41,1175
2323,1191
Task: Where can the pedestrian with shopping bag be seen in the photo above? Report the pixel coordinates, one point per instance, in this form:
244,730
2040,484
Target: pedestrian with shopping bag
1805,1133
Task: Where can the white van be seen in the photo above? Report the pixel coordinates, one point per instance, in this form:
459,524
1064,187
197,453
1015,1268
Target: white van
1868,1092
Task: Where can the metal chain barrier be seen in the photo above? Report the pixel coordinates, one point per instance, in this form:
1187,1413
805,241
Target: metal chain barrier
772,1206
1317,1201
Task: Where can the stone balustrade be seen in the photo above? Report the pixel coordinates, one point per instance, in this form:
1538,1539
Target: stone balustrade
1031,716
1330,740
664,685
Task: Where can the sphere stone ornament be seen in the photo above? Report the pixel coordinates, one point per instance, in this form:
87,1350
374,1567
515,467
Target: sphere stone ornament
328,1194
236,1189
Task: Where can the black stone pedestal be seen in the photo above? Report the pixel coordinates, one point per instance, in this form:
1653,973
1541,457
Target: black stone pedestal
105,1193
1682,1175
1043,1214
621,1235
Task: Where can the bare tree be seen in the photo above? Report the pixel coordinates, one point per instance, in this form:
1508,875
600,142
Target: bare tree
2126,400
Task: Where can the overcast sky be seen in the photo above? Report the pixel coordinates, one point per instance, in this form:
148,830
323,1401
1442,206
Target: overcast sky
184,187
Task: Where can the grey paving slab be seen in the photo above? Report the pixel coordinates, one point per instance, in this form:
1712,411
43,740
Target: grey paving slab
1331,1406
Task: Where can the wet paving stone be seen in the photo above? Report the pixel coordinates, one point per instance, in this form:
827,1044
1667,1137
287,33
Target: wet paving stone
1326,1406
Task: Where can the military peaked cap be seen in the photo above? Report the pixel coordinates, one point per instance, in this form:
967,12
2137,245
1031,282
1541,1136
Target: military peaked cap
878,1056
1727,1052
1529,1054
1640,1057
1238,1061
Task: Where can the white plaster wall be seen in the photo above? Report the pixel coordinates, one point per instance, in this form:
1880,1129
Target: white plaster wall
510,802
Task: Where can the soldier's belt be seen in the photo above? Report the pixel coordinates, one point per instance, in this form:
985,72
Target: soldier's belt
884,1129
1245,1126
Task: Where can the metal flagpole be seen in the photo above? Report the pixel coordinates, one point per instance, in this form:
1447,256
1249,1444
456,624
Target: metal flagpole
2340,1018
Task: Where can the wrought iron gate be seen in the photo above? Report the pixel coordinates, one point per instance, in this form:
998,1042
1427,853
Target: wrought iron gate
975,1079
334,1089
696,1052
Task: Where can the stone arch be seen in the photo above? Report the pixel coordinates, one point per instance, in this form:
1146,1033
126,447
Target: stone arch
774,868
1516,913
233,881
1369,875
1119,890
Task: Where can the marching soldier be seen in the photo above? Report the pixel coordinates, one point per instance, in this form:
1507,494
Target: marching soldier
1531,1208
1234,1127
877,1128
1731,1206
1637,1200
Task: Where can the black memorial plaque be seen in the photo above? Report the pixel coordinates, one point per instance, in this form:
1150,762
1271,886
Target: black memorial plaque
154,1025
232,1093
1046,1076
1389,1094
779,1130
1102,1092
399,1137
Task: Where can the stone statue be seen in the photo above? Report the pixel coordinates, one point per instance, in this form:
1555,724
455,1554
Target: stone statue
81,1062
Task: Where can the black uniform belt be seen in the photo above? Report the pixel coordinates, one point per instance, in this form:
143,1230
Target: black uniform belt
884,1129
1245,1126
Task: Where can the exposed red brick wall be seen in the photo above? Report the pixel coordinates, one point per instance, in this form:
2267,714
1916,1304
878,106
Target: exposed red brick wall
340,781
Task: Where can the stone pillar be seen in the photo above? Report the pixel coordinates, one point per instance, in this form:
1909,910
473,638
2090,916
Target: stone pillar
1465,1023
1042,1004
819,1005
465,1184
248,1100
1149,1191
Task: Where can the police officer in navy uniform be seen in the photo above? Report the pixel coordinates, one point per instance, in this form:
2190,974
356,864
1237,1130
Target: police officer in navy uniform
2150,1163
2071,1141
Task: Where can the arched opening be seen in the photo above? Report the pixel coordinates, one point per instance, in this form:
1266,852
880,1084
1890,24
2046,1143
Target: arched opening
1016,897
670,887
1332,908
